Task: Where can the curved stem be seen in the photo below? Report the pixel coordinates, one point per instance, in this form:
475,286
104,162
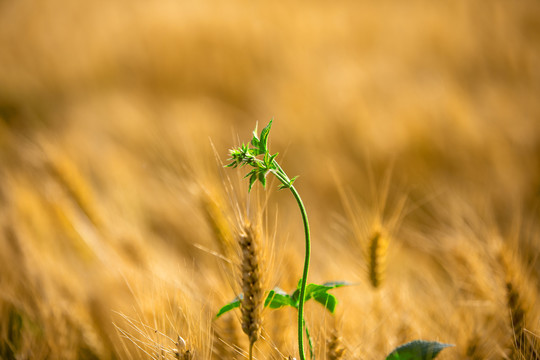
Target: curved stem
304,274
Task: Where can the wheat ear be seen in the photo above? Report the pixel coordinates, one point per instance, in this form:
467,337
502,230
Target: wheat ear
66,173
377,250
251,282
334,346
518,306
182,352
213,210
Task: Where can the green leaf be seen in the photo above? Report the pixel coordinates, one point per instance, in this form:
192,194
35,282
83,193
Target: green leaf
253,171
262,178
272,158
313,289
296,293
232,305
255,141
320,293
278,298
252,179
337,284
263,144
327,300
417,350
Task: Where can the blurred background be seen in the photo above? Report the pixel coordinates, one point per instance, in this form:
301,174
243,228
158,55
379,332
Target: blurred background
115,117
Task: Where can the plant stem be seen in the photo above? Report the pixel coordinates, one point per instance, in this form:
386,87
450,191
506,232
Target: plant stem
280,174
304,274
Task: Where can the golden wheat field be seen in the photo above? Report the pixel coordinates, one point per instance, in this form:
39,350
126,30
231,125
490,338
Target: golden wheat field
414,128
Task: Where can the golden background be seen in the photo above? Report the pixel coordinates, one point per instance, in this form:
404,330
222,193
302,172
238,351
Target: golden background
420,117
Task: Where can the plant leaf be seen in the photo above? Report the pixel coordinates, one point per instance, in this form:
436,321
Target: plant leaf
313,289
337,284
294,179
263,143
252,179
255,136
296,296
417,350
232,305
255,141
278,298
296,293
272,158
327,300
320,294
262,178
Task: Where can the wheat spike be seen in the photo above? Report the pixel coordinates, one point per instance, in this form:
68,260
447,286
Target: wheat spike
182,352
516,300
473,349
70,178
251,283
334,347
523,345
218,222
378,246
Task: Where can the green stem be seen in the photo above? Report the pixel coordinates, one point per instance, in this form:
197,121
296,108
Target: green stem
304,274
282,176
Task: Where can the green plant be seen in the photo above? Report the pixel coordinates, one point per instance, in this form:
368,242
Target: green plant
258,157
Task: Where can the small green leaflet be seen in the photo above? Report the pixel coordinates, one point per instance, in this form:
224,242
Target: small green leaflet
232,305
278,298
263,143
260,144
417,350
